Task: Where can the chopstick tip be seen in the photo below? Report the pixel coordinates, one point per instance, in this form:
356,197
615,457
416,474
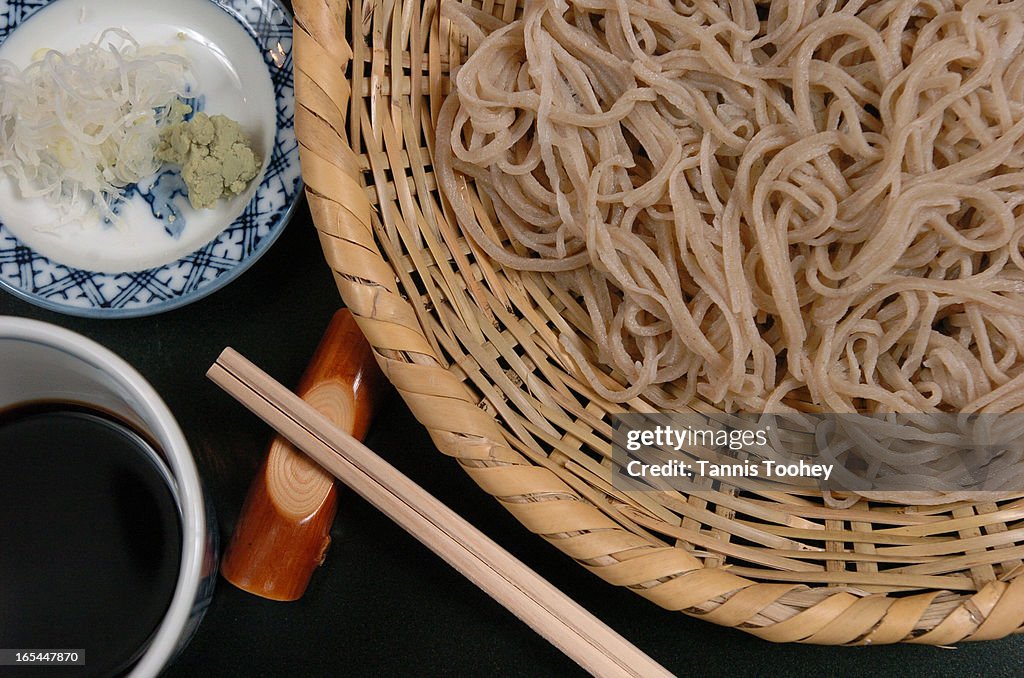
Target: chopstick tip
226,355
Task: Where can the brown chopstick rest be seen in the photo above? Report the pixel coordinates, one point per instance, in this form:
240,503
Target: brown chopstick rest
283,530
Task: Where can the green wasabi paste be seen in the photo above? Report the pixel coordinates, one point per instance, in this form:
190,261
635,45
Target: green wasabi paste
215,156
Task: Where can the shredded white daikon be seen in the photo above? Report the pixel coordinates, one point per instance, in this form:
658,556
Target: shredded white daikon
77,128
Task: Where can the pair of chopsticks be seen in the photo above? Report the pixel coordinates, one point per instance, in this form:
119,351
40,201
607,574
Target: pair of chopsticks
552,614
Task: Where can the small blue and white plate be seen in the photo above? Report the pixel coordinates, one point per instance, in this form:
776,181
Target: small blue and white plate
166,254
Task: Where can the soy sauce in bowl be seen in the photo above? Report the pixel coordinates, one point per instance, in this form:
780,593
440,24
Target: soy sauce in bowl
90,535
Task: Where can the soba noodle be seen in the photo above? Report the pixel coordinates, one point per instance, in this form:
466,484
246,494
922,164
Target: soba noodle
766,205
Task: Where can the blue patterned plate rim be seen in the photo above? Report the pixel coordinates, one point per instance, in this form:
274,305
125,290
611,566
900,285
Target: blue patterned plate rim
74,291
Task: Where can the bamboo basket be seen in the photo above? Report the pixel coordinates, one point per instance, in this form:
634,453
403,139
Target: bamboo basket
473,349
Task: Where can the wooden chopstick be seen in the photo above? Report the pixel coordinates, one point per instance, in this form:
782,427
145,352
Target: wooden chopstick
552,614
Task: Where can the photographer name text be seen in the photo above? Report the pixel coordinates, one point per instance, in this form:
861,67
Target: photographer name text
708,469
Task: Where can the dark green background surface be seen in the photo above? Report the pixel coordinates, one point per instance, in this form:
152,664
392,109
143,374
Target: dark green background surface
383,604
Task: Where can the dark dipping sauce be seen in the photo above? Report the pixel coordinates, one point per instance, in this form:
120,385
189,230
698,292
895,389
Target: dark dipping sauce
90,537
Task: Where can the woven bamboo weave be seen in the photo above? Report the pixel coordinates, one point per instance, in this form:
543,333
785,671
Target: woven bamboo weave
474,351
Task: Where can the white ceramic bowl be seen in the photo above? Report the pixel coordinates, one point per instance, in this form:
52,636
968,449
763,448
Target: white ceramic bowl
40,361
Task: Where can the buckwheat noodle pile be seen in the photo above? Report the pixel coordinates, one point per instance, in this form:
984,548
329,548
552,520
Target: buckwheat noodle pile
768,205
